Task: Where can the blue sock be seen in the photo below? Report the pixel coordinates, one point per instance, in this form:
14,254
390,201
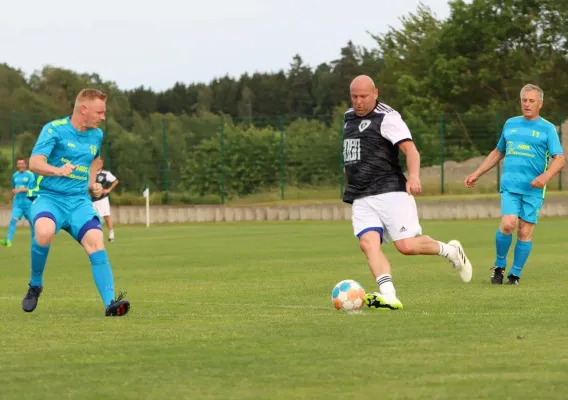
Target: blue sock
39,259
502,244
11,229
522,251
102,274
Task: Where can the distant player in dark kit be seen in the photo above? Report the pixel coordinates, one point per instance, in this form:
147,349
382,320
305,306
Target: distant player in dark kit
66,157
383,206
101,203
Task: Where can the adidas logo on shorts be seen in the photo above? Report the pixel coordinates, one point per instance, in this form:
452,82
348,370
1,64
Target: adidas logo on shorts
403,229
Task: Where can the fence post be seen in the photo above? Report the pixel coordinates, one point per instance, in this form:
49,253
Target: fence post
442,153
282,171
560,120
107,150
13,135
222,159
166,169
341,161
498,132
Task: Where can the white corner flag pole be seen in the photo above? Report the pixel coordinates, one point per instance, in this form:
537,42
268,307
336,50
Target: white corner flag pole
146,194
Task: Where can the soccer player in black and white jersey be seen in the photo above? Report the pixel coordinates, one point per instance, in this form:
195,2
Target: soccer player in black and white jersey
383,206
101,203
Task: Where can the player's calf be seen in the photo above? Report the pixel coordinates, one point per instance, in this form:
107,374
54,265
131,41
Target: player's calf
93,243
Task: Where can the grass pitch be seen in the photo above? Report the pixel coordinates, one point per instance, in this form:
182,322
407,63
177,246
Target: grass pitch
243,311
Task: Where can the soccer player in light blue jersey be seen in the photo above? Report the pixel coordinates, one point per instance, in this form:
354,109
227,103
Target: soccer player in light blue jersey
22,181
533,155
65,156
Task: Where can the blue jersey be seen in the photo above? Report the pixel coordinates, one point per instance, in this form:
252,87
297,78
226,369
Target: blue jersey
22,180
527,146
61,144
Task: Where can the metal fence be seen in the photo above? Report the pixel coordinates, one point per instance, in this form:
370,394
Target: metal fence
218,159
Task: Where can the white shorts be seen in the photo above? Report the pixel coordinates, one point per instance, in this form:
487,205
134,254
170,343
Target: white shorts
102,206
394,215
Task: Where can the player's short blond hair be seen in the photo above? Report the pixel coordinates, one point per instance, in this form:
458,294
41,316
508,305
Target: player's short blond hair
90,94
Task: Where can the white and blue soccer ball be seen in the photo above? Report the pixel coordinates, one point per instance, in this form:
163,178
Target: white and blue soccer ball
348,295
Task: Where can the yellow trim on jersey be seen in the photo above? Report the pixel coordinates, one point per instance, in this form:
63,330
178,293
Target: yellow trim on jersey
59,122
545,168
36,189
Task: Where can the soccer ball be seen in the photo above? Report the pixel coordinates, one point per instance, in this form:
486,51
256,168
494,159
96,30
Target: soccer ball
348,295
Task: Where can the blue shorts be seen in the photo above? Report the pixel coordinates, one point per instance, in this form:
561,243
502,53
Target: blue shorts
76,215
21,210
524,206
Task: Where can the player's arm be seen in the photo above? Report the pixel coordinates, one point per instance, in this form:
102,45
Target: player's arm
45,144
557,153
412,157
490,161
39,165
114,182
93,170
556,165
16,190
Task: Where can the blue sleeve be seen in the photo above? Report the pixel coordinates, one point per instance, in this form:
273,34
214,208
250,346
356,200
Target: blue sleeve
501,145
46,142
554,146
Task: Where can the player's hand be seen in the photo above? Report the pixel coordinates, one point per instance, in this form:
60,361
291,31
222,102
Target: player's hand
105,191
14,191
413,185
96,189
66,170
470,180
539,182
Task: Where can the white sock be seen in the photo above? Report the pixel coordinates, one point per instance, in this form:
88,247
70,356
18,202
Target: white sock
111,234
386,286
446,250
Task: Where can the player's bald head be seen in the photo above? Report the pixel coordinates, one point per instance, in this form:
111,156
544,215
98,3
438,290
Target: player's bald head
364,94
362,82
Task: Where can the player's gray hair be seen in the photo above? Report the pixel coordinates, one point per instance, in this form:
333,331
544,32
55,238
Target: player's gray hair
528,87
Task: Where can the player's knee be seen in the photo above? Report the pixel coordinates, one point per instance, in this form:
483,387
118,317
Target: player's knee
44,231
93,241
525,233
508,225
370,241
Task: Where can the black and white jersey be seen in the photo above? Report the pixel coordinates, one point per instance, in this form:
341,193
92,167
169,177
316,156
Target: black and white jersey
370,152
105,178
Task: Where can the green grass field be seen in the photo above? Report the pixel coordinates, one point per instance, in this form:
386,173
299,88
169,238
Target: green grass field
243,311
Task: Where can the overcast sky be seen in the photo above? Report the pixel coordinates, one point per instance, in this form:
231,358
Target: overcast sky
158,43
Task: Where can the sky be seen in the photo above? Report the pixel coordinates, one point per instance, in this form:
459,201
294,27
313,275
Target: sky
158,43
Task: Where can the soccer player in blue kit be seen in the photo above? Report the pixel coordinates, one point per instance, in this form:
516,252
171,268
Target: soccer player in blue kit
22,180
527,142
65,156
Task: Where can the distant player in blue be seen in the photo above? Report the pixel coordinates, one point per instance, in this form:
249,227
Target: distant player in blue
65,156
22,181
527,143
